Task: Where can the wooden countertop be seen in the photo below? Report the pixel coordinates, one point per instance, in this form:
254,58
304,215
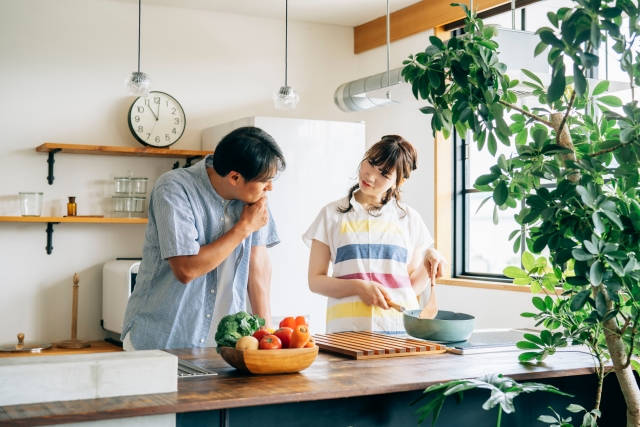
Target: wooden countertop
329,377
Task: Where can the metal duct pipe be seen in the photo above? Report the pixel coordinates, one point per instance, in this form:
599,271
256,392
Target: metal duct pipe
355,95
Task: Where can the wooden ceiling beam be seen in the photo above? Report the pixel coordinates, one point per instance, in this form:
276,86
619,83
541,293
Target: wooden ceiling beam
411,20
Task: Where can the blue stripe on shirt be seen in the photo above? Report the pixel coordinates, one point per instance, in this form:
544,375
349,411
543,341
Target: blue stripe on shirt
374,251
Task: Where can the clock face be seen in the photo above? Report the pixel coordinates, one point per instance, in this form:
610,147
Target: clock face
157,120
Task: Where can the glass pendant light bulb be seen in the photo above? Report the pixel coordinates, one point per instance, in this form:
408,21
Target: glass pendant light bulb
138,83
285,98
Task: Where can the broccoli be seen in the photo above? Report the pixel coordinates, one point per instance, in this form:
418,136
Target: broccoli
235,326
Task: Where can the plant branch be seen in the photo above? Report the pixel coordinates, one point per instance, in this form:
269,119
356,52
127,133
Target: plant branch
528,114
608,150
566,116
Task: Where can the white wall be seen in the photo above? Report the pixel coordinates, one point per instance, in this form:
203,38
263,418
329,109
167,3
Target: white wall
62,68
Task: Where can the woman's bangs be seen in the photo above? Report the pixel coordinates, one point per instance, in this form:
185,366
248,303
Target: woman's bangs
385,158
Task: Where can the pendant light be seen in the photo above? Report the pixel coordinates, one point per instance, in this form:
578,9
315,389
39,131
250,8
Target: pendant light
286,98
138,83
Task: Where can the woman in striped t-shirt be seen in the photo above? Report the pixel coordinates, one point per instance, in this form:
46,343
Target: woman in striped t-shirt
376,245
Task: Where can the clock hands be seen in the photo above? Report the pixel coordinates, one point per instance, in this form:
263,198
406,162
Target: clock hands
154,114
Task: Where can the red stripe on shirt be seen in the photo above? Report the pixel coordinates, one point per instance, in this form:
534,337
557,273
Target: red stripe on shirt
386,280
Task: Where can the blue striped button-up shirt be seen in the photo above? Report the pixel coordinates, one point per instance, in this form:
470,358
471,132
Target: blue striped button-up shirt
185,213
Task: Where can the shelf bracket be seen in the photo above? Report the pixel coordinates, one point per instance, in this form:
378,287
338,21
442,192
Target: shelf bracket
191,159
51,161
49,246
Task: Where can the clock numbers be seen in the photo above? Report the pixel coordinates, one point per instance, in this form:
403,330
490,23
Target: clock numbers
146,102
140,129
137,119
174,130
140,109
177,121
156,100
173,111
167,137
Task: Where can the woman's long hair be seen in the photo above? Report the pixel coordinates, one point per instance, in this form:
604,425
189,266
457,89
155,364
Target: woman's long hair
391,153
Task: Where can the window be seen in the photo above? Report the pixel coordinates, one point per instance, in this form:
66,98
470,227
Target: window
481,249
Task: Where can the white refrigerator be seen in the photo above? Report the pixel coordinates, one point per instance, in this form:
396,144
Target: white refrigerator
322,162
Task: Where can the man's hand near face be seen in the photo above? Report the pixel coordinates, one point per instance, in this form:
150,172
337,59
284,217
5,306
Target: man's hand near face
188,267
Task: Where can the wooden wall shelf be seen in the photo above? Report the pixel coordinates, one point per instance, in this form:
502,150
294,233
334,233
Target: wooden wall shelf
52,220
59,219
107,150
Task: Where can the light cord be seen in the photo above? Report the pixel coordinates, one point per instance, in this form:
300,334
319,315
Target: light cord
139,24
286,40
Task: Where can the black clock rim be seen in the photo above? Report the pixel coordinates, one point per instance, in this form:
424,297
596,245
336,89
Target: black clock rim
133,132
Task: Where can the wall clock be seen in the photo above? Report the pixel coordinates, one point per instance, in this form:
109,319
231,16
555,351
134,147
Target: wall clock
157,120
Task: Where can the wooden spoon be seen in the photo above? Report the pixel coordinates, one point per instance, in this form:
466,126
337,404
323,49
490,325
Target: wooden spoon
431,309
395,305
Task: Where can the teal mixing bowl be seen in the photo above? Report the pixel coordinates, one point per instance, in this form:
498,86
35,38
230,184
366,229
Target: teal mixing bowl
446,327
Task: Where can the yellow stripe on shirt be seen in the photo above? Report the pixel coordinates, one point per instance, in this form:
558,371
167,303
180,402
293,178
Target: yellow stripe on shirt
360,309
366,226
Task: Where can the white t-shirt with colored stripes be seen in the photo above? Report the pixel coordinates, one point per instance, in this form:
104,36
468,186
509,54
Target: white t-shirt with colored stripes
377,248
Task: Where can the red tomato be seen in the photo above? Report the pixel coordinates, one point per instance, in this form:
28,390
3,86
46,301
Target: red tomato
301,320
260,333
270,342
284,334
289,322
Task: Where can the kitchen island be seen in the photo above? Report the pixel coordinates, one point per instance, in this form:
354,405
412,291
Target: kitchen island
337,391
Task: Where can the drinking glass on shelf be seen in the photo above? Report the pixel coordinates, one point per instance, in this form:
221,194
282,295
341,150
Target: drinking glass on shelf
30,203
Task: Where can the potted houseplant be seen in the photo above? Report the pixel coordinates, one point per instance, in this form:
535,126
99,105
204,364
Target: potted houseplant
585,142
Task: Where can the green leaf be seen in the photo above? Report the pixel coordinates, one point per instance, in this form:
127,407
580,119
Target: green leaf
487,179
600,88
595,273
610,100
579,81
492,144
575,408
539,303
635,365
541,47
535,287
614,218
528,261
547,418
526,345
500,193
515,272
521,137
527,356
532,76
578,301
558,84
521,281
482,204
598,224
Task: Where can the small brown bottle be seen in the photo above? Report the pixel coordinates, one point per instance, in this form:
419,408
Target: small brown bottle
72,207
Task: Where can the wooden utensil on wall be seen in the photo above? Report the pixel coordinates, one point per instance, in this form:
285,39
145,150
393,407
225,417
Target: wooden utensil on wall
73,342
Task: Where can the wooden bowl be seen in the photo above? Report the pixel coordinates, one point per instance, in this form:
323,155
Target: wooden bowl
284,361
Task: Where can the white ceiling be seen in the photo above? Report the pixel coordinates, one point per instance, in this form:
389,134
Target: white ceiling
339,12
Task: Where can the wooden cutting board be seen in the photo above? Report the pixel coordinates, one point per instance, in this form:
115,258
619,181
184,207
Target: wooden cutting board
372,345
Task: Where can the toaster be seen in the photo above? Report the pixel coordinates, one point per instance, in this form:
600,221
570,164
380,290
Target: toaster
118,281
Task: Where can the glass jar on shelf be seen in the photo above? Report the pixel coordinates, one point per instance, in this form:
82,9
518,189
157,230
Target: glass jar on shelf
139,185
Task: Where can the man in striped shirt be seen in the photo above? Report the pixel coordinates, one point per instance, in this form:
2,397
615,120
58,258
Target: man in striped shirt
205,247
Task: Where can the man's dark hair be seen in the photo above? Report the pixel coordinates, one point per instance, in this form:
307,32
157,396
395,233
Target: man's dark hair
251,152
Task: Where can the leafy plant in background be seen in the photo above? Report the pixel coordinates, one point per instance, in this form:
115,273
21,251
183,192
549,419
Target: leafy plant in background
503,391
588,420
590,221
